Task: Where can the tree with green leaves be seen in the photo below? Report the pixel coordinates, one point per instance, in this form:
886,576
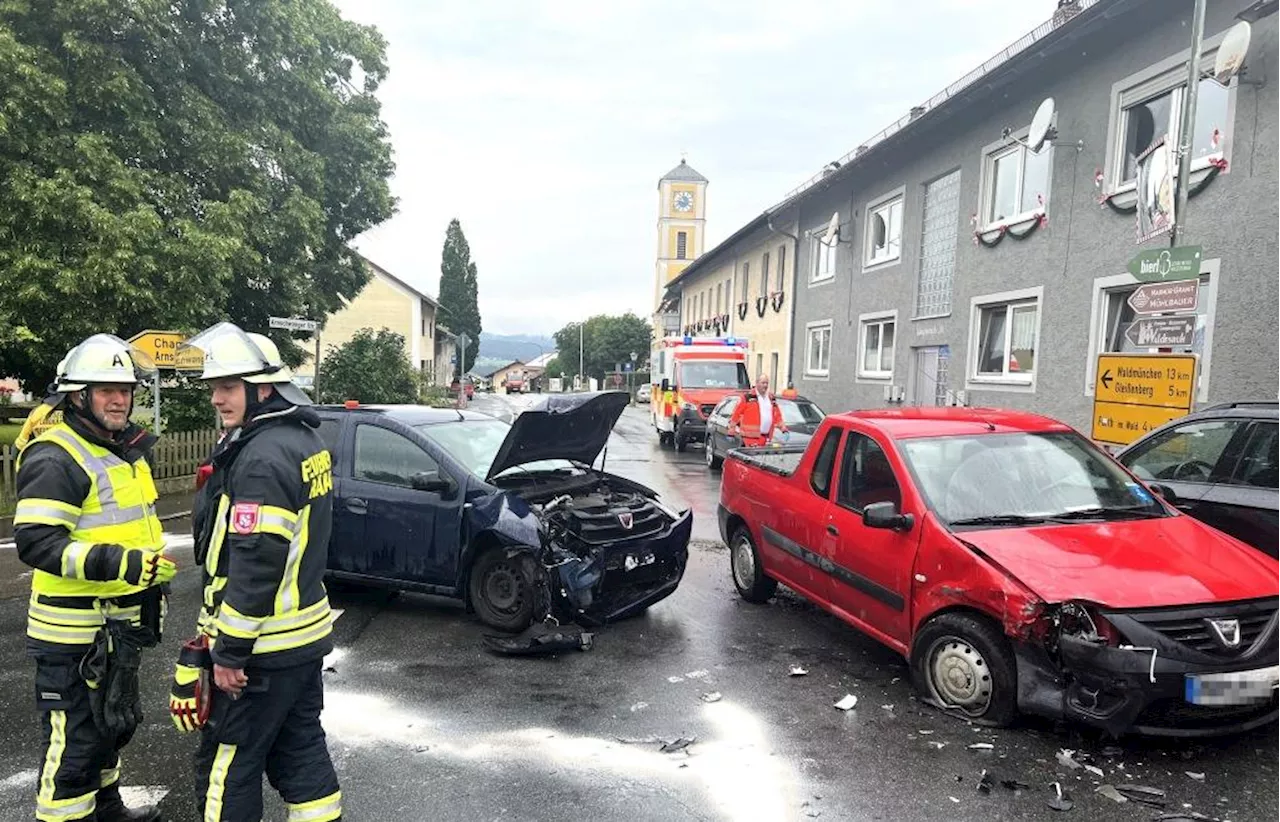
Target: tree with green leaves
167,165
371,368
459,292
607,343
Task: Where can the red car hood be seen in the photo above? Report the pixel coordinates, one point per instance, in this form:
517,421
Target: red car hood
1130,564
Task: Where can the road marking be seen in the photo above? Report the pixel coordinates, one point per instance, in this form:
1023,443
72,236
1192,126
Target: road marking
138,795
21,779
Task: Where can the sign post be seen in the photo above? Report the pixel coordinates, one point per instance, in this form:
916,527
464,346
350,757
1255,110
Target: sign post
1134,394
298,324
463,339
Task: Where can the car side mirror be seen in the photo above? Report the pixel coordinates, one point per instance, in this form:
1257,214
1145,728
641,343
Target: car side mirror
1165,492
431,481
885,515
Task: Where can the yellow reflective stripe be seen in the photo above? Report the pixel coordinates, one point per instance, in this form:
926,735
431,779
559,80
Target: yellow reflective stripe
48,808
45,512
60,634
318,810
115,516
110,777
300,619
73,557
232,622
218,536
66,616
218,782
294,639
287,595
278,521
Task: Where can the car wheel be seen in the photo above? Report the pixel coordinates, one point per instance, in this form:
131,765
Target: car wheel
680,441
713,462
502,591
744,563
964,663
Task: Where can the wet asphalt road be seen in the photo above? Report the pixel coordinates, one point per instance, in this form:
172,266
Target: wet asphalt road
426,725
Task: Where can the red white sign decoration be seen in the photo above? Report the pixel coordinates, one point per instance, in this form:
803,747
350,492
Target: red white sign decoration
244,517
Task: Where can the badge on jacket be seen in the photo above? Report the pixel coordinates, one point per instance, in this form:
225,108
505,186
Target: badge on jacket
244,517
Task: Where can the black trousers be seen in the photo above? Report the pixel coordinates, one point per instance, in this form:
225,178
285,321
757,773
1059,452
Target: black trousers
274,727
77,760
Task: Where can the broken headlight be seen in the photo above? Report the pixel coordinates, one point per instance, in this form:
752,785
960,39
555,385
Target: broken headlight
1084,621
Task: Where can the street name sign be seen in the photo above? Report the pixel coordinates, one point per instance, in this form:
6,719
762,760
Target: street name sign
293,324
1160,298
1161,332
162,347
1134,394
1164,264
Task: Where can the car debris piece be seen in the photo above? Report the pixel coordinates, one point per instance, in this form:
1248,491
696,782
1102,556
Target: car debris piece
1110,792
1066,758
1061,800
1015,785
953,799
797,670
938,745
847,703
1199,777
887,707
1141,793
541,638
925,733
677,744
674,679
985,783
1095,770
1186,816
982,746
697,674
712,696
639,706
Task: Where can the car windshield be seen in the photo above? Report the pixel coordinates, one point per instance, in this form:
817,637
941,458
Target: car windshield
799,413
714,374
475,443
1022,478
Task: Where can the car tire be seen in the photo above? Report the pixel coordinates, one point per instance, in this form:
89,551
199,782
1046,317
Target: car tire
681,443
713,462
502,591
964,663
744,566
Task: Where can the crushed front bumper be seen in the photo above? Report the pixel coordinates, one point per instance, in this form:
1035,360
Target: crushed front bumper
626,577
1137,690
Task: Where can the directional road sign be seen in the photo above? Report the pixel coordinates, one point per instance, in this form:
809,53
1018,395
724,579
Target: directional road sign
162,347
1161,332
1137,393
1161,298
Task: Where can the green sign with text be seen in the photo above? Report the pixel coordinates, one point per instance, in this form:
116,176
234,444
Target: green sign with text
1165,264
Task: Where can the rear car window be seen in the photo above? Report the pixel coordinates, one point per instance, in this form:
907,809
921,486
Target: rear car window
1258,464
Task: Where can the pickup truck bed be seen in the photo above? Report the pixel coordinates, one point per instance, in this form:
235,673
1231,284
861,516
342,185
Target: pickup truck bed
781,460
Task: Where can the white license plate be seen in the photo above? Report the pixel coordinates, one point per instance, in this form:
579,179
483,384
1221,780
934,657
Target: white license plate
1234,688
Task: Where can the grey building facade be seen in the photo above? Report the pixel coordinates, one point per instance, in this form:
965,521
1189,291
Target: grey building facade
970,270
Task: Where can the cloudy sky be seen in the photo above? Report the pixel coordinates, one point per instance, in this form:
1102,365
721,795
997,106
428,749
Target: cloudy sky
544,125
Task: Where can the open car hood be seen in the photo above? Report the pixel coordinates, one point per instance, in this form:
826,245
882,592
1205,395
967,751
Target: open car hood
572,427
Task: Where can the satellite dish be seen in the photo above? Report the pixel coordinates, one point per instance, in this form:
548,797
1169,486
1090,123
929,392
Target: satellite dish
1231,53
832,235
1040,125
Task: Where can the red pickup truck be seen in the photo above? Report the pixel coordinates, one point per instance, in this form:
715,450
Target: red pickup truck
1015,565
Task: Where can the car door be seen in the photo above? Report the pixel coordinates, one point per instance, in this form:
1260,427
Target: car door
1188,458
347,536
1243,503
870,567
409,534
793,547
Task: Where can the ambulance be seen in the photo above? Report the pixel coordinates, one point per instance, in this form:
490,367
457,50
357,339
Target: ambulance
690,377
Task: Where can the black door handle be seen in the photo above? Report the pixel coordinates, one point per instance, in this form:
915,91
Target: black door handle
357,506
833,531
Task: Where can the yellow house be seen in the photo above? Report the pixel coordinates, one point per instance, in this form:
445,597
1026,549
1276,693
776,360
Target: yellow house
388,302
743,288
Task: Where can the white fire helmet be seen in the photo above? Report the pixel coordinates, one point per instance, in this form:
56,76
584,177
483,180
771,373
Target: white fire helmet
229,351
103,359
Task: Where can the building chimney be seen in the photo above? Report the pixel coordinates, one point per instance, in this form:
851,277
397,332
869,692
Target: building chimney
1066,10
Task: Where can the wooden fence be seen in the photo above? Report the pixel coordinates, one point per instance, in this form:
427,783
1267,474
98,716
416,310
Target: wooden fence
175,455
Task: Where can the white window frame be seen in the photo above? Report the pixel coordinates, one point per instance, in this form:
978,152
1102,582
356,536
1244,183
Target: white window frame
1019,384
882,203
999,150
825,258
865,321
810,328
1153,81
1102,286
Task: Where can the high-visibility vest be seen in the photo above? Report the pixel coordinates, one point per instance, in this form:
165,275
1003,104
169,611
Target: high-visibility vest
119,509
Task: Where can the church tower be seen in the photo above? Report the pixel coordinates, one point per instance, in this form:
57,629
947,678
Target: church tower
682,216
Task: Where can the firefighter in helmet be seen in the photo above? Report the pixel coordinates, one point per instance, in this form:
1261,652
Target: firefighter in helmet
251,679
86,523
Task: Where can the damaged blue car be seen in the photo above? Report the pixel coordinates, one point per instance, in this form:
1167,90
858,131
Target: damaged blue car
513,519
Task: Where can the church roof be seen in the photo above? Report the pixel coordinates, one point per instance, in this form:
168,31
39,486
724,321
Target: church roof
683,173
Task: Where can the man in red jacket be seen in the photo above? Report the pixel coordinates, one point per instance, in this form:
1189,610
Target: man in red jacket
757,418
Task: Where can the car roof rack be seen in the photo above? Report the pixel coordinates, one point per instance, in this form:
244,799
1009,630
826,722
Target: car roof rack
1243,404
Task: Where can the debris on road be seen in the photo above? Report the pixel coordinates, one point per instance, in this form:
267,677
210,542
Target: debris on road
797,670
1113,750
982,746
1095,770
541,639
712,696
1061,800
985,783
1110,792
677,744
924,733
1199,777
1141,793
847,703
697,674
938,745
1067,758
1187,816
639,706
887,707
1015,785
674,679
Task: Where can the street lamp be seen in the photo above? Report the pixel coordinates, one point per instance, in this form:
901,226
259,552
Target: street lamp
630,375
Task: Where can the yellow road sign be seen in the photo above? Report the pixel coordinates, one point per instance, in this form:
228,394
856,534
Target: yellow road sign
1121,424
1165,380
1137,393
162,347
